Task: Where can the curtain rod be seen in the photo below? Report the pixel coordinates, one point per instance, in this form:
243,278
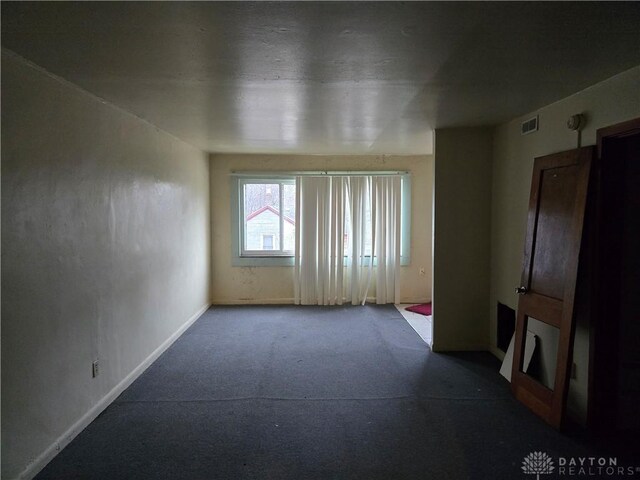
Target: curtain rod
320,173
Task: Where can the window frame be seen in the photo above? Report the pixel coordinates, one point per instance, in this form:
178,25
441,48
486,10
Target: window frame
253,258
405,221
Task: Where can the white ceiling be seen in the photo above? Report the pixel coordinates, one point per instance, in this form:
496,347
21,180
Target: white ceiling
313,77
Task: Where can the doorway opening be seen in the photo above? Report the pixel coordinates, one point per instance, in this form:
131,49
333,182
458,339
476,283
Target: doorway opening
615,330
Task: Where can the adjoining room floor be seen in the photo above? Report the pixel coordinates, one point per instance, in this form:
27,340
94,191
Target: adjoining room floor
420,323
284,392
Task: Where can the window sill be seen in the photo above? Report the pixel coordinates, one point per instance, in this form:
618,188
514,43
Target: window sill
283,261
263,261
266,255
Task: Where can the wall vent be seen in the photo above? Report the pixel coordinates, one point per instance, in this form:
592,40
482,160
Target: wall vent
506,326
530,126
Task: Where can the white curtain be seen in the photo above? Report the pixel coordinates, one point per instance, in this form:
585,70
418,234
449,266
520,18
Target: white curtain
365,210
359,265
319,271
385,216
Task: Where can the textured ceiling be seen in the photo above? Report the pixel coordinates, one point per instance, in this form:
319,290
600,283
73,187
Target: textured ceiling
313,77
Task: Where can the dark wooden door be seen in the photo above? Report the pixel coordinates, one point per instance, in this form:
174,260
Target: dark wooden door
547,290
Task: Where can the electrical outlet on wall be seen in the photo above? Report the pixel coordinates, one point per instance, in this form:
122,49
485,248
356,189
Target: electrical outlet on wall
95,369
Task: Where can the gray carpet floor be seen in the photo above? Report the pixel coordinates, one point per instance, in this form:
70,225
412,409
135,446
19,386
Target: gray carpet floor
283,392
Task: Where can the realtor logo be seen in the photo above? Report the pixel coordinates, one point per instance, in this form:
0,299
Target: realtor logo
537,463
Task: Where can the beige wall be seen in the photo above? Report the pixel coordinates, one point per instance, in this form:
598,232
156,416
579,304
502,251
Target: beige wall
105,255
461,239
275,284
609,102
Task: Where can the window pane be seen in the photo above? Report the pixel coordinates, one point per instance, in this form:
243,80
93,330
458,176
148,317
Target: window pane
262,215
289,220
368,229
366,233
347,229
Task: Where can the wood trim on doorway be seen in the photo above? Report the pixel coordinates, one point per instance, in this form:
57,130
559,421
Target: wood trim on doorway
616,131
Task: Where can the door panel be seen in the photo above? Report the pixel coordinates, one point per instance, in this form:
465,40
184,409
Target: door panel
552,246
557,201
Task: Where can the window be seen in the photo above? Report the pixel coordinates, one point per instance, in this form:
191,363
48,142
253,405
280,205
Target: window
347,228
405,227
267,212
263,217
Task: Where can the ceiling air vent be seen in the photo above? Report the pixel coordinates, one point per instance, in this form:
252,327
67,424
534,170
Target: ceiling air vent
530,126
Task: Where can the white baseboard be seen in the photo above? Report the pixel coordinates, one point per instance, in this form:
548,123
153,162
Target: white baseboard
499,354
404,301
459,347
63,440
257,301
289,301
